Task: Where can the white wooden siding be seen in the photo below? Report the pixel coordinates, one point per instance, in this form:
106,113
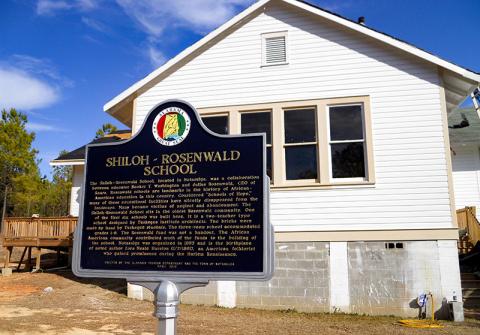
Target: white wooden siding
466,176
75,194
326,61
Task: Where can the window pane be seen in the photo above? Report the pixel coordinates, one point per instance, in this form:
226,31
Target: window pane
257,123
300,126
269,162
346,123
301,162
348,160
217,124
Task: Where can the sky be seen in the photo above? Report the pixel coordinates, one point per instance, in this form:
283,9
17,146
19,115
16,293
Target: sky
62,60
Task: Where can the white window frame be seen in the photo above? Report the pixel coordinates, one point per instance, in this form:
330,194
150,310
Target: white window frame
227,114
240,113
264,37
321,106
299,144
330,142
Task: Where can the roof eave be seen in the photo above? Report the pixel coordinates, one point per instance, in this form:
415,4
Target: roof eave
457,88
67,162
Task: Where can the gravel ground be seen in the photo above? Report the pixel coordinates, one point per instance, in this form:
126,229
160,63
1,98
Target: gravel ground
79,306
60,303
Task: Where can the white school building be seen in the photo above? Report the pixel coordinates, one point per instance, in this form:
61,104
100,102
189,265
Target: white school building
363,193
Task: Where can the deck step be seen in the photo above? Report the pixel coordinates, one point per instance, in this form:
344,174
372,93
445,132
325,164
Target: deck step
472,313
468,276
472,301
468,283
470,292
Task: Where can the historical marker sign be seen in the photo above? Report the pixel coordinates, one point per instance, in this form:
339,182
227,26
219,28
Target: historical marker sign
175,201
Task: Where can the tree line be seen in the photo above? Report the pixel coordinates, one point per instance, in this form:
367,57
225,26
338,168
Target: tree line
23,190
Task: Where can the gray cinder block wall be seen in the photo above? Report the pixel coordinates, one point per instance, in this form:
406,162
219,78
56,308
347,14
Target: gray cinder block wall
386,281
201,295
195,296
301,280
375,279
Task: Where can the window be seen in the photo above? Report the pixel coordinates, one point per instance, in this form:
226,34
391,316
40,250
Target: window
347,141
310,143
217,123
300,144
259,122
274,48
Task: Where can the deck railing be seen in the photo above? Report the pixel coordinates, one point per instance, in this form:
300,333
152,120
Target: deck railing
467,221
39,228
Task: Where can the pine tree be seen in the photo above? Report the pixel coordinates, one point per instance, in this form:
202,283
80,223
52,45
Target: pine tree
106,129
17,157
62,184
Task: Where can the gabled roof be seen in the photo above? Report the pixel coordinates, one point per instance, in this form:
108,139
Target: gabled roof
77,156
123,134
458,81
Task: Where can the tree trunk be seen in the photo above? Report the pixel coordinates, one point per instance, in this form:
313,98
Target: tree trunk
4,207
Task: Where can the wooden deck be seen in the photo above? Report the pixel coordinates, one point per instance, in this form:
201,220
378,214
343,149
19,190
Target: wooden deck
468,223
47,232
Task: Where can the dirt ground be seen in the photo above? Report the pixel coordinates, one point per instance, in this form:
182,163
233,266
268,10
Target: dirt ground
79,306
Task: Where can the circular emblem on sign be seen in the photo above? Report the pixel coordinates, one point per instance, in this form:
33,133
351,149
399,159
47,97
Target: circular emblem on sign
171,126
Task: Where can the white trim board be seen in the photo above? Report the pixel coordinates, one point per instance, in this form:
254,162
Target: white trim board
67,162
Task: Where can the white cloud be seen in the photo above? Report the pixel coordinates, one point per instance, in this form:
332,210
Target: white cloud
50,7
21,90
156,57
87,4
154,16
47,7
94,24
39,127
39,67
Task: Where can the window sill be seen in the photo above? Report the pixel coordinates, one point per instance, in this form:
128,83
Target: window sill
271,65
316,186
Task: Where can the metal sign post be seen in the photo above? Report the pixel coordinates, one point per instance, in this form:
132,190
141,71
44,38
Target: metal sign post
175,207
166,301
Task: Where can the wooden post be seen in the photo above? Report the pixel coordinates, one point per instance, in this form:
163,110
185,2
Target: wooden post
58,257
467,221
28,264
21,258
8,254
4,209
39,255
474,210
70,255
37,221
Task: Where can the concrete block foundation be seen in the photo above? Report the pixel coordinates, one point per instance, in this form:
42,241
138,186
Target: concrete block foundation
300,281
375,278
384,281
